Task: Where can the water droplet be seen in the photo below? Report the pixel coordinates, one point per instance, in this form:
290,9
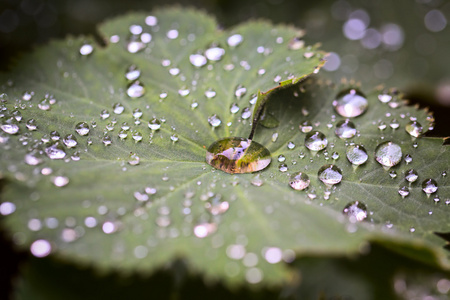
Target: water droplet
408,158
290,145
135,89
174,71
172,34
238,155
210,93
274,137
330,174
273,255
403,191
27,96
154,124
197,60
385,97
411,175
7,208
257,180
296,43
60,181
86,49
137,113
240,91
134,44
357,154
184,91
394,124
137,136
316,141
388,154
151,20
382,125
204,229
33,158
246,113
55,151
393,174
10,126
214,121
41,248
70,141
17,115
215,53
234,40
350,103
356,211
133,159
44,104
82,128
345,129
174,137
282,167
234,108
104,114
106,140
429,186
306,127
132,73
299,181
414,128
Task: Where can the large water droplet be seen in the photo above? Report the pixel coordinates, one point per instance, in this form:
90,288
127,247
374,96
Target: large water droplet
356,154
414,128
350,103
299,181
330,174
345,129
154,124
235,40
70,141
135,89
10,126
214,121
55,151
197,60
388,154
356,211
238,155
215,53
429,186
118,108
316,141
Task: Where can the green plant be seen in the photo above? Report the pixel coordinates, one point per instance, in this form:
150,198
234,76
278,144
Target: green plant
108,171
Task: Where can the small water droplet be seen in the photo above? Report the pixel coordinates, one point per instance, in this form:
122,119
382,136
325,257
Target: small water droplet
41,248
106,140
204,229
240,91
257,180
234,40
330,174
274,137
133,159
316,141
345,129
60,181
132,73
174,137
238,155
246,113
394,124
135,89
70,141
356,211
429,186
82,128
403,191
86,49
414,128
104,114
382,125
411,175
210,93
234,108
214,121
282,167
384,97
154,124
357,154
408,158
388,154
299,181
27,96
350,103
296,43
137,136
215,53
393,174
290,145
197,60
10,126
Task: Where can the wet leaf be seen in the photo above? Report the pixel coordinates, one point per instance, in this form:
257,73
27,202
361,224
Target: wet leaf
135,193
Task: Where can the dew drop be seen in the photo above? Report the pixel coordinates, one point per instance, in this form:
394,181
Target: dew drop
174,137
316,141
106,140
82,128
356,211
214,53
357,154
41,248
204,229
403,191
60,181
429,186
10,126
408,158
216,205
55,151
137,136
238,155
257,180
27,96
154,124
234,108
210,93
394,124
282,167
183,92
388,154
234,40
330,174
86,49
414,128
393,174
214,121
246,113
299,181
411,175
197,60
296,43
104,114
240,91
134,44
306,127
70,141
350,103
135,89
133,159
137,113
345,129
132,73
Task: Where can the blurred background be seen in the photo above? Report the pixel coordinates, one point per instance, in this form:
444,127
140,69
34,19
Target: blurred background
402,43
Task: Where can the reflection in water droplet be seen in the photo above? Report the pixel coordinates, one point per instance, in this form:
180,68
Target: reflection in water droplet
388,154
154,124
414,128
214,121
429,186
411,175
82,128
238,155
234,40
55,151
106,140
316,141
299,181
350,103
345,129
135,89
356,211
403,191
330,174
356,154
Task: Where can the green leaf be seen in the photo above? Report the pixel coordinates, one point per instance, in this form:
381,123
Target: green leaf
138,218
